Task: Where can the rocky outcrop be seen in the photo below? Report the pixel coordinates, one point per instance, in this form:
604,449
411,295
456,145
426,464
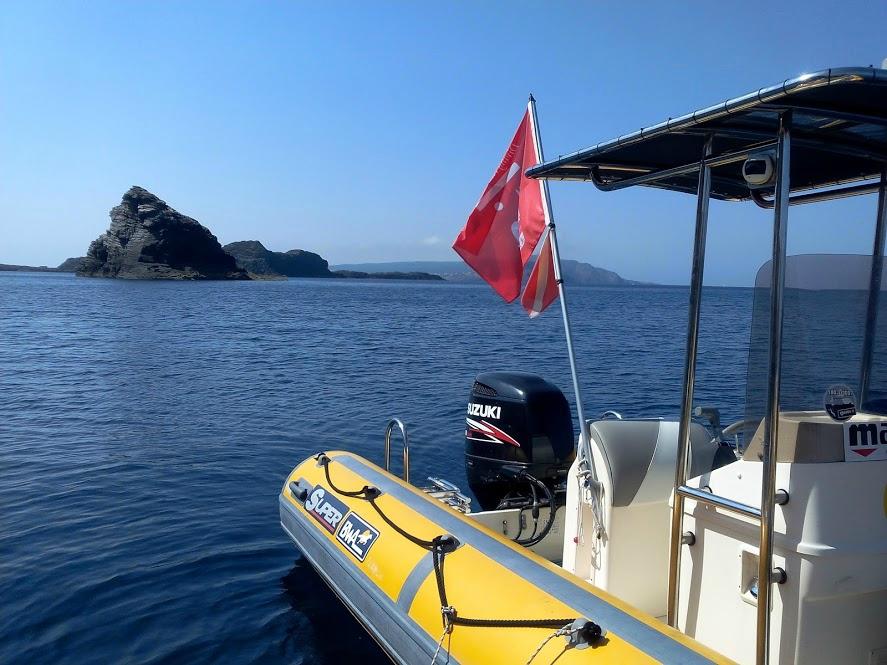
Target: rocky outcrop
71,265
253,256
147,239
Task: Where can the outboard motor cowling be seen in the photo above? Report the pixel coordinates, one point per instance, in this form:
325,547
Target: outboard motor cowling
517,424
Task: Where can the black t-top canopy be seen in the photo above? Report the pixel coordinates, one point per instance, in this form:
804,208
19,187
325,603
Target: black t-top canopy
839,135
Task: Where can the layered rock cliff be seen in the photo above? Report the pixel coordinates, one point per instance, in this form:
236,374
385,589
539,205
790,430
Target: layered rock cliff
147,239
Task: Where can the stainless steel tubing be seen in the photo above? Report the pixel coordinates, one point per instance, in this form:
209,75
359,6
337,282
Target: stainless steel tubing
815,197
397,422
677,513
718,501
871,319
708,161
771,425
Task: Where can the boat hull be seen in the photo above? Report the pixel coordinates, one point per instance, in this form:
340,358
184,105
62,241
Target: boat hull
389,583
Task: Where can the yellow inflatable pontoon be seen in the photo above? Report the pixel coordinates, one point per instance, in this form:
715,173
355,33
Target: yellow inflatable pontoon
376,541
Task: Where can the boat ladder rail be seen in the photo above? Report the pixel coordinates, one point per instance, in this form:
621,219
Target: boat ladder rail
389,428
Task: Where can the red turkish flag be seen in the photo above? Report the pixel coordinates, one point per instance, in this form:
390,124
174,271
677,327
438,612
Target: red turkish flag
541,289
503,229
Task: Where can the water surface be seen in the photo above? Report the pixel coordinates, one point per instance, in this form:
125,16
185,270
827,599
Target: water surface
146,429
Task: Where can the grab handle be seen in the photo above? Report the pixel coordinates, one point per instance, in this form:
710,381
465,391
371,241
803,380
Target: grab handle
397,422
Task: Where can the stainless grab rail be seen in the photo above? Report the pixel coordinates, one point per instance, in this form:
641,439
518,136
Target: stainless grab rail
397,422
780,498
719,501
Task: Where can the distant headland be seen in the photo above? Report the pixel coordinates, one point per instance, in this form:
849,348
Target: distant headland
148,239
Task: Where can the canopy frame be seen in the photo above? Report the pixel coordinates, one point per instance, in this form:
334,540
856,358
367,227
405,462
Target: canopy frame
839,131
612,166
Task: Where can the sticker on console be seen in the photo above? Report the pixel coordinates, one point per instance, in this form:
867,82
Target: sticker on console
839,402
325,508
865,442
357,536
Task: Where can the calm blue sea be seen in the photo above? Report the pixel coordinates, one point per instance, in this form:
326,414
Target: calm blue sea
146,429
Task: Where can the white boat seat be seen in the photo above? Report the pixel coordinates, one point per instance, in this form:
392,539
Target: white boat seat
641,456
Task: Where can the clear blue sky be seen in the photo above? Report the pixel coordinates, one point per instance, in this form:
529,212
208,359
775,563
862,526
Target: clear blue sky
366,131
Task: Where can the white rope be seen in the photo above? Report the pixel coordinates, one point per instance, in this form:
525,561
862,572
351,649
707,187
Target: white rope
446,632
593,497
557,633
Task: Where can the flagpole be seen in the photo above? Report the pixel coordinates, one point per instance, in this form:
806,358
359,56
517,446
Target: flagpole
584,442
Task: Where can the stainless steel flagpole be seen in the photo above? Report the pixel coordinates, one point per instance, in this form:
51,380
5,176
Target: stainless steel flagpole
585,447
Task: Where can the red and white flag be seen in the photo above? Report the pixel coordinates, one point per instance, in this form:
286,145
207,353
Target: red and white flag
541,289
503,229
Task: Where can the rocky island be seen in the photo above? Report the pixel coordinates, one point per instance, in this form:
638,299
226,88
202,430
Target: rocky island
251,255
147,239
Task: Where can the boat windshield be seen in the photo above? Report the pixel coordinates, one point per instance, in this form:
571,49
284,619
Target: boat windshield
825,311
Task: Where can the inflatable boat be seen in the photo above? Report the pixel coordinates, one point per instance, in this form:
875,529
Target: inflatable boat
649,540
414,596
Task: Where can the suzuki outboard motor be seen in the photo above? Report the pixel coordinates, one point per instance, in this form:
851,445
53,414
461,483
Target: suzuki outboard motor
517,424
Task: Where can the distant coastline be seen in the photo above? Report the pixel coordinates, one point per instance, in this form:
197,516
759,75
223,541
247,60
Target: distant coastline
68,265
148,239
575,273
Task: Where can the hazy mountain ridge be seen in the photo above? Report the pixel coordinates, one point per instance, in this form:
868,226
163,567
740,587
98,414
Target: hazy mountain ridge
576,273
